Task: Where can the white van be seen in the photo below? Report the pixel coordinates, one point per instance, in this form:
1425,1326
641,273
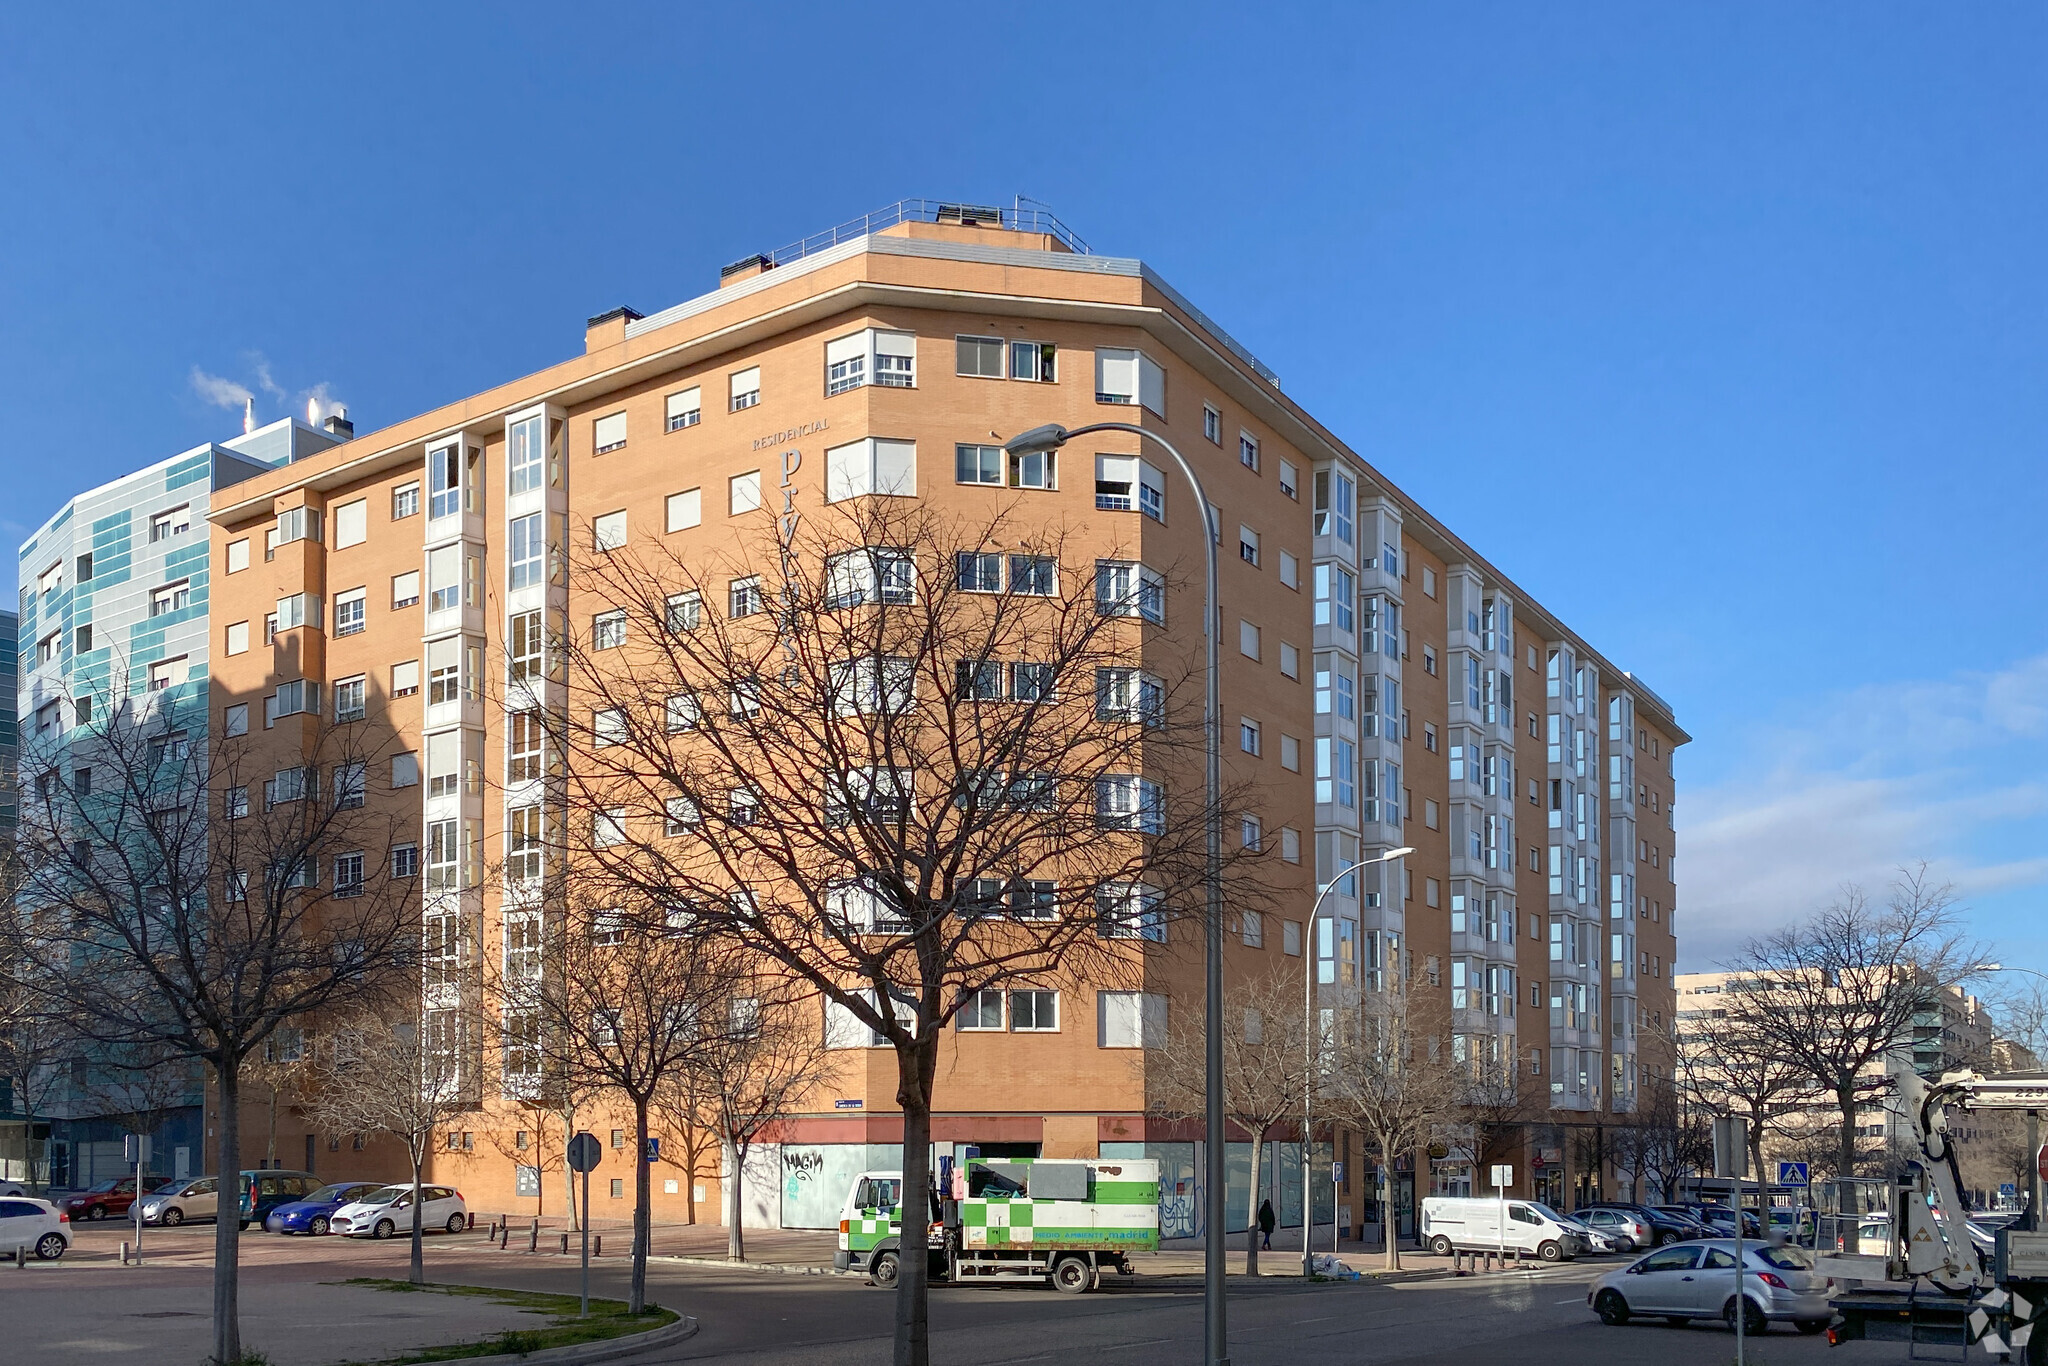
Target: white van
1452,1224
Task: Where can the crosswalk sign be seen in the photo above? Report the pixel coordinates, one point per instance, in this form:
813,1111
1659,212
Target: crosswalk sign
1792,1173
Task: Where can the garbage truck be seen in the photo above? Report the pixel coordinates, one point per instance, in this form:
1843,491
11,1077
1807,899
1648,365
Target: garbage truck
1056,1221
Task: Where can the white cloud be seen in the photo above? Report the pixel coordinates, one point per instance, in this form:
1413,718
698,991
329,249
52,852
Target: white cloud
1868,781
220,391
321,403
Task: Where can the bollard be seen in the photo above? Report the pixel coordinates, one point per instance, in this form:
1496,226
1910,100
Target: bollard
597,1246
21,1257
472,1223
124,1254
533,1239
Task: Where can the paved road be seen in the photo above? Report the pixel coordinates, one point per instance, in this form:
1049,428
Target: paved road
762,1319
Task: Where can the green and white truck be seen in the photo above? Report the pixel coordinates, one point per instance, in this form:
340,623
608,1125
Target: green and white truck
1047,1220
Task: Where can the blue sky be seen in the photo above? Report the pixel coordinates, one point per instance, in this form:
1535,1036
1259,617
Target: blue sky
1721,328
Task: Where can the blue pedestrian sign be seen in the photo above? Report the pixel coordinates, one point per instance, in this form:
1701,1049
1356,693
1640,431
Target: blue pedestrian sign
1792,1174
2007,1190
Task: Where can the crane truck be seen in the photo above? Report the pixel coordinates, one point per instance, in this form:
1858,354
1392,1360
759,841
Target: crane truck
1934,1284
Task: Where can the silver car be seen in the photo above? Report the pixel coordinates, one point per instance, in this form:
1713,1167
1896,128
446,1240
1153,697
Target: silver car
178,1201
1685,1281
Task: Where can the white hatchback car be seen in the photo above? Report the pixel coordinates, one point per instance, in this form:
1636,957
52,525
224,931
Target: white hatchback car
388,1210
34,1224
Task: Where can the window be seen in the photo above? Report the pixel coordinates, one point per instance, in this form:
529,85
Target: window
1290,479
984,1010
608,433
1248,450
351,524
1129,377
1212,425
1128,802
873,465
235,803
444,671
743,598
745,387
978,357
405,860
683,712
1335,695
679,815
608,532
525,745
175,522
1428,581
608,727
1035,362
235,719
529,555
405,678
871,574
1290,754
685,610
297,610
873,357
1124,483
522,844
349,786
1252,928
1123,694
444,573
1429,659
298,524
978,571
405,770
1124,588
685,509
1033,469
1429,737
1034,1011
405,501
238,559
1336,771
174,597
405,589
349,696
743,493
170,673
1130,1019
1034,575
526,455
1334,494
978,465
607,829
1248,735
238,637
1335,598
685,408
351,610
608,630
1247,640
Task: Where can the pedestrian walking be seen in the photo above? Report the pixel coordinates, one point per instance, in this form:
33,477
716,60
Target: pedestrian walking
1266,1223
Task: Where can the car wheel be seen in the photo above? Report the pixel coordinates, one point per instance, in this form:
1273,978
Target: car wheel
1666,1238
1071,1276
1550,1251
456,1223
318,1226
96,1212
1611,1307
173,1217
1754,1324
884,1270
384,1229
50,1246
243,1225
1440,1246
1810,1326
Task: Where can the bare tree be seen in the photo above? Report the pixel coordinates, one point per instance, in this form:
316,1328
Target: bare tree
386,1076
172,898
1265,1072
282,1068
1396,1080
1837,993
38,1040
904,759
740,1082
1731,1064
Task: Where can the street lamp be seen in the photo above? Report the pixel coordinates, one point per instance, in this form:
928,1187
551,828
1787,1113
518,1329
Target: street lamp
1215,1335
1308,1042
2033,1116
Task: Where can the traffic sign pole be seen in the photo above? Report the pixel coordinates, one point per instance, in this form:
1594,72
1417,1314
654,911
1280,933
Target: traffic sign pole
584,1154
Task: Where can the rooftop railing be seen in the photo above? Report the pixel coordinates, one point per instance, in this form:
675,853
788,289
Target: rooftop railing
1023,215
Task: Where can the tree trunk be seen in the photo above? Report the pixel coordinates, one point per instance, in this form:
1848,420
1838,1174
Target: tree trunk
227,1223
270,1143
1845,1096
735,1198
1251,1205
418,1272
642,1201
690,1156
913,1285
1389,1224
569,1177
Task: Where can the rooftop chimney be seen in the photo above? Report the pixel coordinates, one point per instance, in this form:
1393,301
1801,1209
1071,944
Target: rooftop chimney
338,424
608,328
746,268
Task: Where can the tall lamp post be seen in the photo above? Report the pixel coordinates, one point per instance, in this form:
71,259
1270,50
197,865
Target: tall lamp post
2033,1119
1310,961
1215,1334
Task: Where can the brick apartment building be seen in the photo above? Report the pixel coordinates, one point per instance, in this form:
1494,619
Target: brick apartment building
1384,683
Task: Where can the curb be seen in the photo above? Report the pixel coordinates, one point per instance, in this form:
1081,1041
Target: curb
768,1268
611,1349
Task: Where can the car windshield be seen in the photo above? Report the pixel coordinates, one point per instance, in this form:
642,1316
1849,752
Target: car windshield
329,1194
170,1187
382,1196
1547,1212
106,1185
1785,1258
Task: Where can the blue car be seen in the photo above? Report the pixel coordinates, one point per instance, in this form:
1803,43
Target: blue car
311,1214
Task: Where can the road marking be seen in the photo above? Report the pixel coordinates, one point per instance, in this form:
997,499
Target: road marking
1576,1299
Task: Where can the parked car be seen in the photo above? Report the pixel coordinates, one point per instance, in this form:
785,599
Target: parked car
177,1202
8,1188
1665,1226
1687,1281
388,1210
1589,1238
311,1214
110,1199
263,1191
36,1224
1460,1224
1626,1228
1683,1216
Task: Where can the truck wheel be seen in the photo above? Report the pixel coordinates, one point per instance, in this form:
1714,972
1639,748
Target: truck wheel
1072,1276
1440,1246
884,1270
1551,1251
